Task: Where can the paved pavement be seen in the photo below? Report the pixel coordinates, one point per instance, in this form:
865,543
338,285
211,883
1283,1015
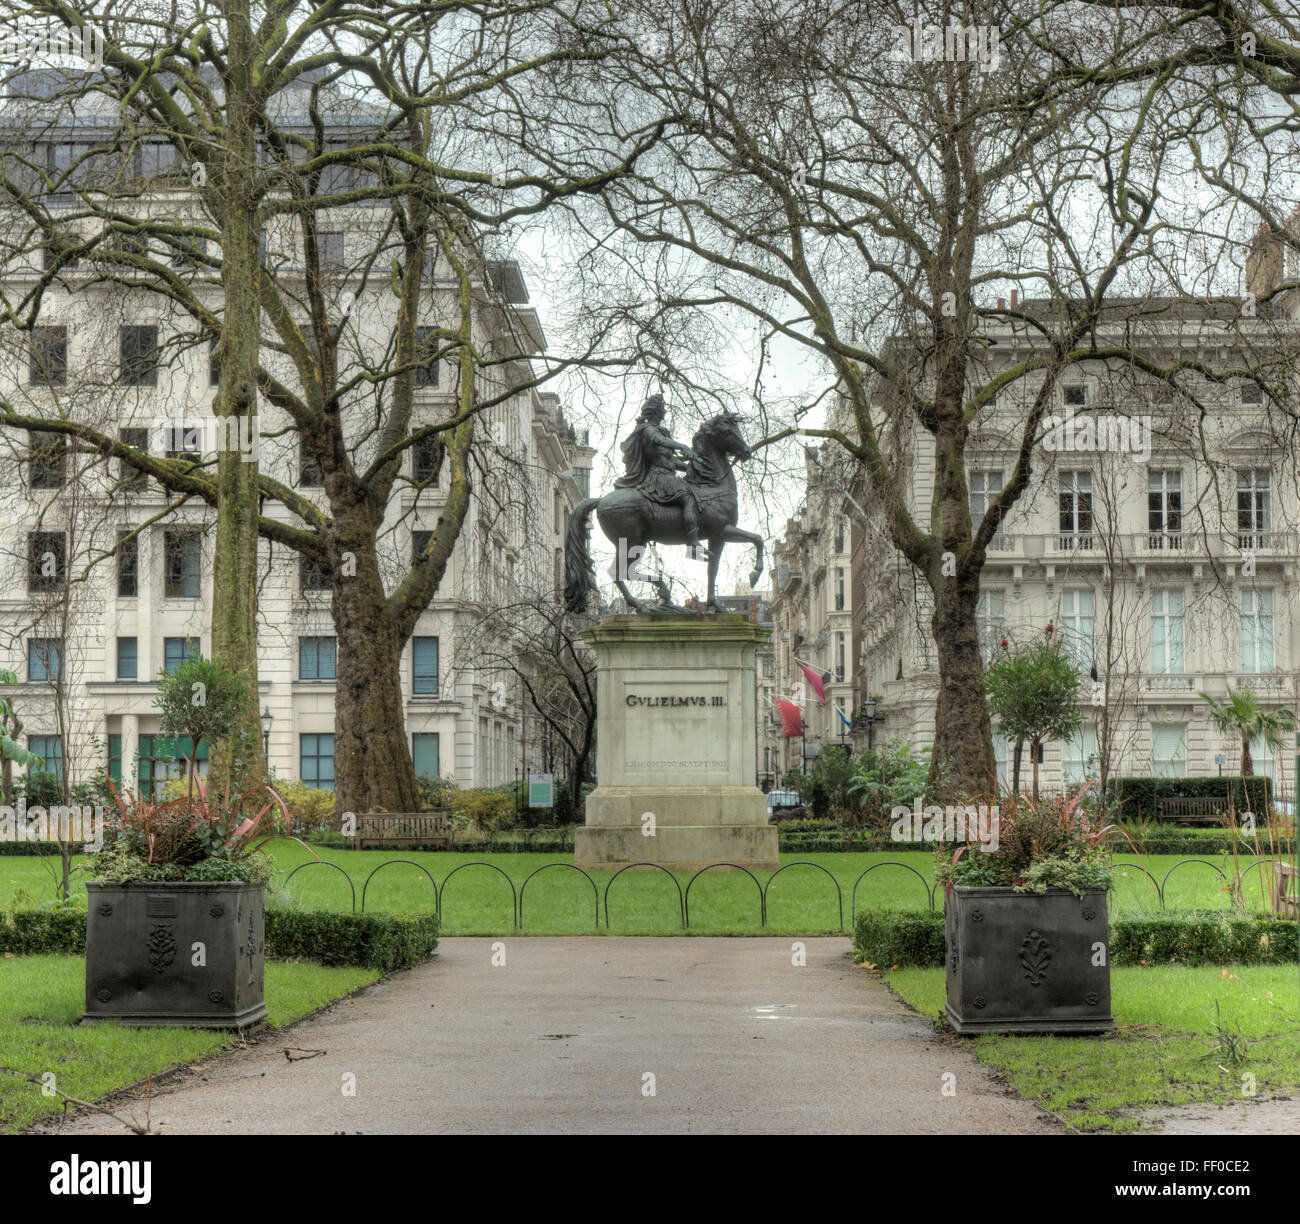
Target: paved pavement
603,1035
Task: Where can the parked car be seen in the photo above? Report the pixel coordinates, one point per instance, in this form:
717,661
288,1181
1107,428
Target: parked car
784,805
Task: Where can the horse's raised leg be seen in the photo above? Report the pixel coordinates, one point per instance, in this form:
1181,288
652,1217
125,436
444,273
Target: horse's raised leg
715,560
737,535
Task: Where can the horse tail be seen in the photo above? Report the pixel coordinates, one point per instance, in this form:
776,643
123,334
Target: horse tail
579,573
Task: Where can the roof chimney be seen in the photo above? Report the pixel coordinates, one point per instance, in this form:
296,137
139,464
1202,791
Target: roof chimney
1015,298
1002,303
1264,263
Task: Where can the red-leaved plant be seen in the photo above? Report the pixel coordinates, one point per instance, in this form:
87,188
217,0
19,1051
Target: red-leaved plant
197,836
1040,844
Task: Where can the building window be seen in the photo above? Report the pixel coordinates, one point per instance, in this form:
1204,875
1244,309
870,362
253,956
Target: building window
1252,393
47,357
317,658
1164,509
839,588
982,489
48,460
1075,498
1168,651
309,473
47,560
1079,755
424,754
426,345
839,535
128,565
214,363
840,657
1075,395
44,660
132,479
557,503
424,665
1256,630
329,246
176,650
161,757
1076,626
1254,517
420,541
138,355
184,441
312,576
127,658
159,158
50,749
1262,760
183,564
316,761
1000,761
187,252
425,456
990,620
1169,750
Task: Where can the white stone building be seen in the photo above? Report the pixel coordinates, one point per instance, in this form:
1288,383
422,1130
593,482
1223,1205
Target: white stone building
115,623
1169,571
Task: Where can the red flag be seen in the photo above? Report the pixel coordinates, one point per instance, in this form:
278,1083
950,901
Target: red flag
790,717
814,678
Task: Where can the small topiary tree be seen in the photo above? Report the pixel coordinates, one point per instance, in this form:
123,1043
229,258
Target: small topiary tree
1034,692
203,699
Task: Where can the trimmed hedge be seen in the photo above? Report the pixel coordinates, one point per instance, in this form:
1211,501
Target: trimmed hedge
1160,841
916,938
387,942
26,847
34,932
382,941
1140,796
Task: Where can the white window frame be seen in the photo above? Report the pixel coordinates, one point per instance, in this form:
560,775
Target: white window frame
1168,632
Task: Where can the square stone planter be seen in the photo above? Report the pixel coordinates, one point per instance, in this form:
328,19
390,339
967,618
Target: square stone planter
1024,963
176,954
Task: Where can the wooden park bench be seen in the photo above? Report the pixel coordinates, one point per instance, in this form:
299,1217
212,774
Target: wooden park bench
1205,809
407,830
1285,901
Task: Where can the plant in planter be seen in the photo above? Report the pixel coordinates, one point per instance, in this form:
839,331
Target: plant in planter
175,930
1026,923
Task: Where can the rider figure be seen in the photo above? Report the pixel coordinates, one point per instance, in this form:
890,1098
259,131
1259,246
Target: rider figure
651,465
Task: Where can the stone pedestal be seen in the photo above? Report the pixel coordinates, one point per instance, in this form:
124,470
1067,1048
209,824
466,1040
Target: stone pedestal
676,753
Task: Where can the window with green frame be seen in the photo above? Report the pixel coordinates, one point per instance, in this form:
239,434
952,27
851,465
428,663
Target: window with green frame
50,749
161,757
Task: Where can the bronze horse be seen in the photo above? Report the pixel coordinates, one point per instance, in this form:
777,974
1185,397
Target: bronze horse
630,521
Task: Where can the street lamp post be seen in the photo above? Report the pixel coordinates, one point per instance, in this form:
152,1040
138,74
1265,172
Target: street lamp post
868,715
266,734
1218,760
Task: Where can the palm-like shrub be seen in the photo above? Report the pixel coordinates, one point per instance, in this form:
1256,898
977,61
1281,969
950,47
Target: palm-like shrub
1242,717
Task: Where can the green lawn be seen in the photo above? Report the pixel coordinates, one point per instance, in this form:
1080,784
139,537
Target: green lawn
1158,1054
41,998
801,902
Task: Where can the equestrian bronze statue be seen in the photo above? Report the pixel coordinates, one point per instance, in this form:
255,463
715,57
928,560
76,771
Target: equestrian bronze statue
670,494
